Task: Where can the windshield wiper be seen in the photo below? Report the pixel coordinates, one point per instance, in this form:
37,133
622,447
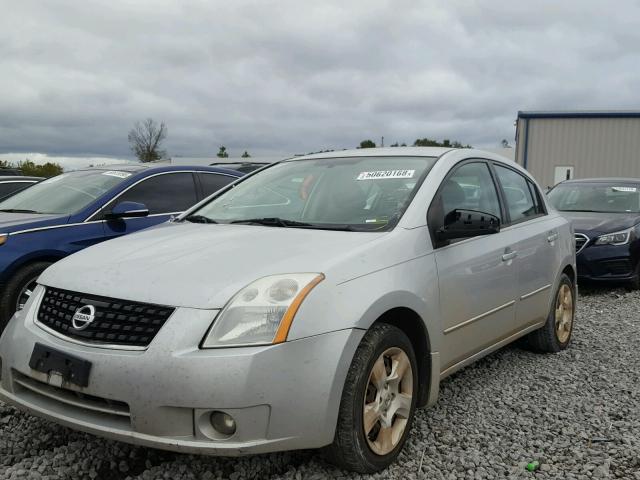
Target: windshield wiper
17,210
281,222
199,219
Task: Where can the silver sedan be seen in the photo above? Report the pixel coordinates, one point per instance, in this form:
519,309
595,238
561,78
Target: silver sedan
313,304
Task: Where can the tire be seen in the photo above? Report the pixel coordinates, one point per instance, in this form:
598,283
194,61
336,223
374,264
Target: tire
15,286
555,335
352,449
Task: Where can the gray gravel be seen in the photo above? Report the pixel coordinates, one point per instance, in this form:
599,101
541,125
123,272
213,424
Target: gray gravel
577,413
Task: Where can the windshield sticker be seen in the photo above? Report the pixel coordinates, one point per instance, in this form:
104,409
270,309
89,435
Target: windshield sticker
383,174
114,173
624,189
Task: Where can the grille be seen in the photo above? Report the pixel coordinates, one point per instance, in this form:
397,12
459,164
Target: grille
117,322
581,242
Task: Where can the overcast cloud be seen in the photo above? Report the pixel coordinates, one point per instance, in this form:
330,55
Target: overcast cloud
284,77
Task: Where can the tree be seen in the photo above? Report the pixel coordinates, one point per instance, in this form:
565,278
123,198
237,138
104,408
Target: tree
222,153
394,145
246,155
367,144
427,142
47,170
505,143
145,139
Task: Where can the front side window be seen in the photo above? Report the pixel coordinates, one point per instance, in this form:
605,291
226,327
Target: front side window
65,194
517,193
359,193
470,187
596,197
164,193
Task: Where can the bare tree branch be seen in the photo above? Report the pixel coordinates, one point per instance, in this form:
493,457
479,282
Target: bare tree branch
145,139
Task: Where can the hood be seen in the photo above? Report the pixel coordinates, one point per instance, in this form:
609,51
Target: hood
202,266
592,222
13,222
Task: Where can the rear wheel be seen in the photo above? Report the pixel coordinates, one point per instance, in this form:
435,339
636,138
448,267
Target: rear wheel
18,290
556,333
378,402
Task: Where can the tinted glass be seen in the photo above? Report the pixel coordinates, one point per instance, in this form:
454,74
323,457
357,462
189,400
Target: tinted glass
363,193
66,193
470,187
165,193
596,197
537,199
7,189
518,196
212,182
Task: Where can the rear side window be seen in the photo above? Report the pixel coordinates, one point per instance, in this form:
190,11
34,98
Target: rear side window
212,182
165,193
7,189
520,203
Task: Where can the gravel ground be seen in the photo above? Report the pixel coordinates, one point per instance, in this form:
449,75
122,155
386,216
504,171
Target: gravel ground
577,413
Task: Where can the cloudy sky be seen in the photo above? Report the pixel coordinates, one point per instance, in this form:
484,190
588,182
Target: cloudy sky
284,77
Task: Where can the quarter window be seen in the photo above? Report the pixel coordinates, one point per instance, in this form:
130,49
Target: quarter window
518,197
470,187
212,182
166,193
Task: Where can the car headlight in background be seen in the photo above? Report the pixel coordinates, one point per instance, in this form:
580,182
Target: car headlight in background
616,238
262,312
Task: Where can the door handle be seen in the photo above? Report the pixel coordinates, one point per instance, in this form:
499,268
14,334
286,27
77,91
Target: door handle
509,256
552,237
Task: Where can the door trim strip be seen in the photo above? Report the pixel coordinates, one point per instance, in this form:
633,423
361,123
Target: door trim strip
535,292
479,317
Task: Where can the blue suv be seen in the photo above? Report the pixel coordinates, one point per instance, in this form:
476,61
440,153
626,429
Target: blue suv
67,213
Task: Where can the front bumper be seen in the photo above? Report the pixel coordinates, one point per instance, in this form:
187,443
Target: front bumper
614,263
283,397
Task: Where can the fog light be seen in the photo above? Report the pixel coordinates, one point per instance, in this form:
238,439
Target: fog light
223,423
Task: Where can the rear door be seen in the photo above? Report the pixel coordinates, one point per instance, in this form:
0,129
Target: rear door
477,276
535,237
164,194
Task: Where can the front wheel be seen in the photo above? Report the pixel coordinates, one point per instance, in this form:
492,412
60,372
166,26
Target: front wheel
378,402
555,335
18,290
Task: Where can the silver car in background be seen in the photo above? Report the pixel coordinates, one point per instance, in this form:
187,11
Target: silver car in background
315,303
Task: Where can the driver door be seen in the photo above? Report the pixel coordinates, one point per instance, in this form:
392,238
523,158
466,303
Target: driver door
478,275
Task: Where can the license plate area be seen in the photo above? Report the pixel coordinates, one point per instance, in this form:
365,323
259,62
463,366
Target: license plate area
56,364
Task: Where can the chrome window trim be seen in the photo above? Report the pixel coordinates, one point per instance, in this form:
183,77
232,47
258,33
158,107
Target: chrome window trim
88,219
18,181
586,241
84,223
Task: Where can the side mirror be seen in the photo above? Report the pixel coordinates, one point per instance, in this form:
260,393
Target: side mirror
127,210
467,223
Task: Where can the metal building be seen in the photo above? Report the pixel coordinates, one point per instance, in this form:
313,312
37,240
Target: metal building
556,146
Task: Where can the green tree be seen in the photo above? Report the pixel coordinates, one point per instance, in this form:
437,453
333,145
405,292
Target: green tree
222,153
394,145
246,155
47,170
427,142
145,139
367,144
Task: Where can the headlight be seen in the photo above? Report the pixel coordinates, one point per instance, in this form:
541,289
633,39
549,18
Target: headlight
616,238
262,312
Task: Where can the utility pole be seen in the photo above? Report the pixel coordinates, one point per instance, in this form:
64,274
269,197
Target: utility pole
382,142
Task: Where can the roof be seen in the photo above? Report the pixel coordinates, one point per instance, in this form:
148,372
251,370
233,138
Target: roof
154,167
603,180
579,114
18,178
380,152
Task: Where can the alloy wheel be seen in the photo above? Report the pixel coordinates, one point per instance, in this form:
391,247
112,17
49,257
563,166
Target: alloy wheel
564,313
25,293
388,399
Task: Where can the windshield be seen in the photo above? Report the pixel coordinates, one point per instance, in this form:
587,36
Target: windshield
360,193
596,197
64,194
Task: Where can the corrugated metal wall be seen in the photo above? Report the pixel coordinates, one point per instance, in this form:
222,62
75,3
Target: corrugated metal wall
595,147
